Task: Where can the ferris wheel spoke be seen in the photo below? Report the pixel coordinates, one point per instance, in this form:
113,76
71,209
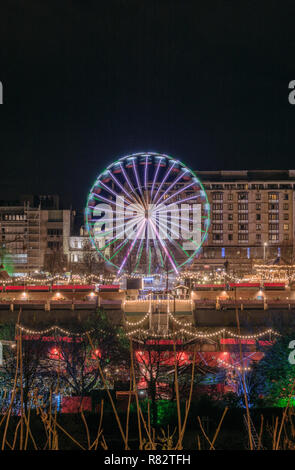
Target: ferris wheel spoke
118,235
150,259
121,246
130,184
97,197
122,187
147,242
166,250
139,253
171,185
111,219
146,172
157,249
198,229
107,188
164,208
132,246
182,190
137,178
163,181
155,178
104,233
173,241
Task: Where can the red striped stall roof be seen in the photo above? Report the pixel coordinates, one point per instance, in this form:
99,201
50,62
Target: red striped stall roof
274,284
84,287
109,286
15,287
245,284
72,287
38,288
210,286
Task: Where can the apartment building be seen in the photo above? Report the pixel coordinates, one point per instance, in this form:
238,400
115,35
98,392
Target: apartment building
252,217
33,229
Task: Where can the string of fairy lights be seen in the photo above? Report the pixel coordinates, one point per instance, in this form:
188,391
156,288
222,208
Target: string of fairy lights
140,331
200,335
81,278
233,366
139,322
180,323
53,328
260,272
192,332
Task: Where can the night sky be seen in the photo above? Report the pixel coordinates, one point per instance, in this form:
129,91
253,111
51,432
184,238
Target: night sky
87,81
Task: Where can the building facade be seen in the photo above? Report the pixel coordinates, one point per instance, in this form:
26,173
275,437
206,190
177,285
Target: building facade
252,217
33,230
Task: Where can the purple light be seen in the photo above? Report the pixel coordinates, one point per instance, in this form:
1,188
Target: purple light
129,184
145,172
163,181
136,176
178,202
111,191
164,247
132,246
155,177
120,186
137,221
177,192
172,184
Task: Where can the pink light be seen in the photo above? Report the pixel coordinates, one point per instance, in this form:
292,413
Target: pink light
164,247
163,181
155,177
132,246
119,184
136,176
172,184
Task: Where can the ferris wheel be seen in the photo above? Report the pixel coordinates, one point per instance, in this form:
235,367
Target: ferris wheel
147,213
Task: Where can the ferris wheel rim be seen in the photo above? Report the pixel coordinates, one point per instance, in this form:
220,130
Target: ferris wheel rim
109,170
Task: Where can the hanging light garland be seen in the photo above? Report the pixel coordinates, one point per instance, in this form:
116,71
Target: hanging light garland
83,278
232,366
53,328
203,335
179,322
139,322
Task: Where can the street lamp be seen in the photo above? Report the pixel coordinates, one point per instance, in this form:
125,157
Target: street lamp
264,248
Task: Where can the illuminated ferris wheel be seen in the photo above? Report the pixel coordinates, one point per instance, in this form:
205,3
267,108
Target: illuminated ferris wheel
147,213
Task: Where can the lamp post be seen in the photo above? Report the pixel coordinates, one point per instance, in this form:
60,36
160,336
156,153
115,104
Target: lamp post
264,250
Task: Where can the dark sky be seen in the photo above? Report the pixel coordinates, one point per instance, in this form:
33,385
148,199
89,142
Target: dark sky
87,81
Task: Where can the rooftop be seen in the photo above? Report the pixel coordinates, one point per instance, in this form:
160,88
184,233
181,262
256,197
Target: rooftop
247,175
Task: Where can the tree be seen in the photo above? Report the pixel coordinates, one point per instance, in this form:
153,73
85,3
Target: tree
155,366
55,261
78,361
274,375
34,371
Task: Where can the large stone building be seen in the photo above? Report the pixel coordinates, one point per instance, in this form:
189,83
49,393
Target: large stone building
252,217
34,231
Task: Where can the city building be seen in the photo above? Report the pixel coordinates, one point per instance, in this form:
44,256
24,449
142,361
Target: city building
34,232
82,256
252,218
